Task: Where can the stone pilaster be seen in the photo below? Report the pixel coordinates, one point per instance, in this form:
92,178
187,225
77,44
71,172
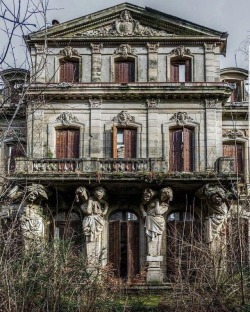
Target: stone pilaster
152,127
152,62
41,63
96,62
36,133
95,126
209,62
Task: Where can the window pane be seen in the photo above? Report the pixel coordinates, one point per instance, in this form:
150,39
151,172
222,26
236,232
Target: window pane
182,73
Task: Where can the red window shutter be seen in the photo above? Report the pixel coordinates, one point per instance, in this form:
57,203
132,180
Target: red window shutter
235,151
114,245
133,248
174,72
114,141
130,143
69,71
124,71
67,143
175,155
188,70
188,149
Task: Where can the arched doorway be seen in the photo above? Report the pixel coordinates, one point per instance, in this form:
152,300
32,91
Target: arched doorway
124,243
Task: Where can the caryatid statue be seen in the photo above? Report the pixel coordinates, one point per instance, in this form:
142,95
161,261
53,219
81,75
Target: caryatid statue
153,207
218,206
94,209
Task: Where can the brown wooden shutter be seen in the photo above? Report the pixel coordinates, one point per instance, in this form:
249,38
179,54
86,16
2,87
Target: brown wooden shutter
114,245
188,70
124,71
69,71
130,143
133,248
188,149
235,151
175,157
174,72
114,141
67,143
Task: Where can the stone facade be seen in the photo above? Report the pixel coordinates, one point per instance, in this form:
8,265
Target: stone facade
127,100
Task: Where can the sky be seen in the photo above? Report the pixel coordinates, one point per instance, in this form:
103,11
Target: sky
223,15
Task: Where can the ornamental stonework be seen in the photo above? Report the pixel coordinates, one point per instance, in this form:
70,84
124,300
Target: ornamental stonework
234,133
95,103
124,118
96,48
125,25
153,48
66,118
180,51
181,118
153,103
69,52
124,50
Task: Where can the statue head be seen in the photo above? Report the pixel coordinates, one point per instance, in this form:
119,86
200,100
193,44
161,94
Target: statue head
100,193
82,192
166,194
148,194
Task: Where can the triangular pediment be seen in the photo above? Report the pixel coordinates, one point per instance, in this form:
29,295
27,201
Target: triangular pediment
126,20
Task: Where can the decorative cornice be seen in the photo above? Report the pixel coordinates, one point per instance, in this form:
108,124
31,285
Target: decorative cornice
69,52
123,26
181,118
124,118
209,47
211,103
180,51
124,50
66,118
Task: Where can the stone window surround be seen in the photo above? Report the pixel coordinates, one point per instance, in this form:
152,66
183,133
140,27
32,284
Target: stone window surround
166,127
51,135
185,56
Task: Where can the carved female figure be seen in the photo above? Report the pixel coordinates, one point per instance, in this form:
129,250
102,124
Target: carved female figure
153,209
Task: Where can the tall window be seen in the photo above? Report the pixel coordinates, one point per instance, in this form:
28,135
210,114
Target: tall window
181,157
124,142
67,143
15,150
69,70
180,70
236,151
124,71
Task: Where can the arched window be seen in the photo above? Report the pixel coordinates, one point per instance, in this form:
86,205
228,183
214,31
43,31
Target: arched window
180,69
67,143
236,151
124,70
69,70
181,151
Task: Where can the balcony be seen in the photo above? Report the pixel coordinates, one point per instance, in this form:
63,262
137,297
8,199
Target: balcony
96,169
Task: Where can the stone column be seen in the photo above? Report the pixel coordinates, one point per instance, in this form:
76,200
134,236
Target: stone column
152,62
209,62
95,127
153,133
96,70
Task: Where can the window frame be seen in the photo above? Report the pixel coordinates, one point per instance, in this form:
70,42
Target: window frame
60,59
186,57
118,58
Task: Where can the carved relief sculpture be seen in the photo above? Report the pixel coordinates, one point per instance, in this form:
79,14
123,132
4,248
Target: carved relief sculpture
180,51
181,118
153,208
94,209
69,52
217,206
124,118
124,50
66,118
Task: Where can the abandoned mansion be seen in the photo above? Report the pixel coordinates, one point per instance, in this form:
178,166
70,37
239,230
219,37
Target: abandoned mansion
126,138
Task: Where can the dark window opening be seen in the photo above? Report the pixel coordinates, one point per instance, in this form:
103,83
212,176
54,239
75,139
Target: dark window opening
180,70
236,151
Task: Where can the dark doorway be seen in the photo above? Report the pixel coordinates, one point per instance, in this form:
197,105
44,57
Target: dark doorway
124,244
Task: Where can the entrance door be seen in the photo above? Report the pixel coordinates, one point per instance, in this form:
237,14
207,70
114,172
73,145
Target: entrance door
124,244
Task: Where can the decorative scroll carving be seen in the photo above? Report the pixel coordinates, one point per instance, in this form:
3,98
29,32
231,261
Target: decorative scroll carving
209,47
124,118
181,51
181,118
124,50
153,208
66,118
153,103
233,133
69,52
124,26
64,85
153,47
96,48
95,103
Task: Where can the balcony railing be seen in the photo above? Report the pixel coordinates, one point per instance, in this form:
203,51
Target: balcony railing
88,165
